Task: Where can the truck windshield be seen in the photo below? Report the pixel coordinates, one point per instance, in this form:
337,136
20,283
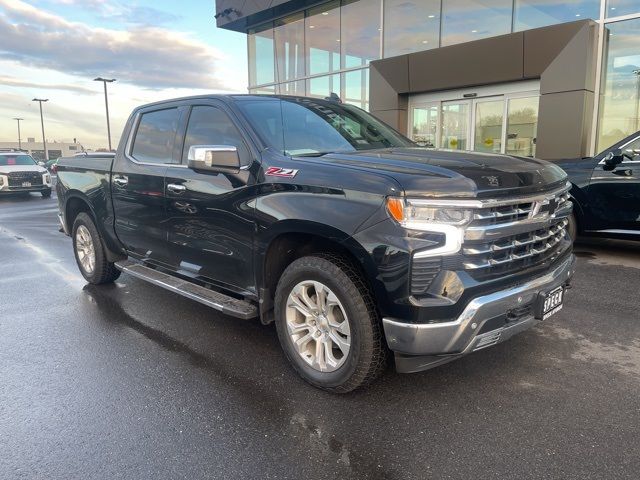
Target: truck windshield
313,127
16,160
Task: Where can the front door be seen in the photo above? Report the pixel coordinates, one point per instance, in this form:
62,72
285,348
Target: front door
614,195
209,221
137,184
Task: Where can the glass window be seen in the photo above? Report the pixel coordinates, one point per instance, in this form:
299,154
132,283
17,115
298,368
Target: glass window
410,26
292,88
616,8
356,88
620,99
323,87
360,32
522,126
540,13
212,126
271,90
455,125
289,39
322,27
15,159
465,20
313,127
488,126
155,136
425,124
261,55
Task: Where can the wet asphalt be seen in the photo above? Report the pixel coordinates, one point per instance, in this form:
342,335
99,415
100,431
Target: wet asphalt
130,381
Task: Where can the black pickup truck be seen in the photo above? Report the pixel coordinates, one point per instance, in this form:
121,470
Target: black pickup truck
316,216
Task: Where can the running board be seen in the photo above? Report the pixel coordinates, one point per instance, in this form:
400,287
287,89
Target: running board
223,303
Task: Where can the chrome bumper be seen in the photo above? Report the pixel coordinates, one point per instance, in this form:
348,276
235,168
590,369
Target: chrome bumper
449,340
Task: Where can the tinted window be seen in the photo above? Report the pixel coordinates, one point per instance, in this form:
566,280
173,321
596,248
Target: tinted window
313,127
410,26
468,20
16,159
155,136
211,126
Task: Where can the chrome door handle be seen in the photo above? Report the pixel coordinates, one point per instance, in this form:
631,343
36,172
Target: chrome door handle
121,181
175,188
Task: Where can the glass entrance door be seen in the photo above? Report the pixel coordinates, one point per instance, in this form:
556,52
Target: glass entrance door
488,125
492,123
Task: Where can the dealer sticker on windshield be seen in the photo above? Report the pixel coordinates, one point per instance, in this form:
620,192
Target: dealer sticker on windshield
281,172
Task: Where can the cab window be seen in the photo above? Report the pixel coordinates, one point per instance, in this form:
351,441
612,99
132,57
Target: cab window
211,126
155,136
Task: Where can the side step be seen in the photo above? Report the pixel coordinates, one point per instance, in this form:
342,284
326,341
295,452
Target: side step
223,303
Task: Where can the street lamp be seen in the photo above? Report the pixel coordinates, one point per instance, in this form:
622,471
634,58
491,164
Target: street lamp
637,74
44,141
106,102
19,138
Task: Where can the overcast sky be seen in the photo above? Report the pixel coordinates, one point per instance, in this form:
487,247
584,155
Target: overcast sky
155,49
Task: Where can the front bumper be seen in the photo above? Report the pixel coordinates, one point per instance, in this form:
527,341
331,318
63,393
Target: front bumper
484,322
33,188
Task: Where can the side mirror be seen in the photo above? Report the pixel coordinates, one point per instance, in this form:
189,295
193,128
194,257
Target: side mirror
613,158
213,158
41,164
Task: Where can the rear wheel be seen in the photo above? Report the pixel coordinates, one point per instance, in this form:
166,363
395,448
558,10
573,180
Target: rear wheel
90,253
328,325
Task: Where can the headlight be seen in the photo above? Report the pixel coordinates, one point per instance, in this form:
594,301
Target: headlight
423,214
438,216
47,178
1,180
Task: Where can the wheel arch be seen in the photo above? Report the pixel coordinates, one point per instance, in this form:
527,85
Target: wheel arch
294,239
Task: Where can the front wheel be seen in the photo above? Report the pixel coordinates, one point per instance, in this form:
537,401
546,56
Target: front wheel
328,325
89,252
45,193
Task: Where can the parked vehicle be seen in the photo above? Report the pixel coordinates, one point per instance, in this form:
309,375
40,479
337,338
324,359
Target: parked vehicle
19,172
605,191
316,216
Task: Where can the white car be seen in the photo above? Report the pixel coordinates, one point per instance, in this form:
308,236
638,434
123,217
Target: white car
19,172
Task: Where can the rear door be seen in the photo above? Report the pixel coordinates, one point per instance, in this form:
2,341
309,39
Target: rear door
137,182
614,195
210,215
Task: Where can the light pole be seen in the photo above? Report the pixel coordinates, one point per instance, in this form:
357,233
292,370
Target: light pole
637,74
19,137
106,102
44,141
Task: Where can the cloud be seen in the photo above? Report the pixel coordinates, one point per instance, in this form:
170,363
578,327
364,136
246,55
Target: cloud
123,12
146,56
16,82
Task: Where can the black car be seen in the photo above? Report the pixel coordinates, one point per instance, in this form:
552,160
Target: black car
316,216
606,192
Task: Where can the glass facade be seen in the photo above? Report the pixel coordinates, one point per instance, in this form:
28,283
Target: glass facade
410,26
620,85
540,13
326,50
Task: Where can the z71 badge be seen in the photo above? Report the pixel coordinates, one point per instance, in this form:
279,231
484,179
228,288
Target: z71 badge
281,172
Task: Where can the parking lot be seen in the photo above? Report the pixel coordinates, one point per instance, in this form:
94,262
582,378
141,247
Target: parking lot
131,381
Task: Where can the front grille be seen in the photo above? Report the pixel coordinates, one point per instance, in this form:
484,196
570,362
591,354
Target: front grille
423,271
16,179
510,236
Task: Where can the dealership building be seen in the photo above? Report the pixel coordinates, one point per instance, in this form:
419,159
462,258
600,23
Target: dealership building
525,77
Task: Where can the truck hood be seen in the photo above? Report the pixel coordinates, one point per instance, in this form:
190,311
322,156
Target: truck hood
4,169
448,173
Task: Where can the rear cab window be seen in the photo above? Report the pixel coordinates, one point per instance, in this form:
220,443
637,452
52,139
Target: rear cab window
155,136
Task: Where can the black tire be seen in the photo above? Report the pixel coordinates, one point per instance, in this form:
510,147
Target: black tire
572,227
367,355
103,271
46,193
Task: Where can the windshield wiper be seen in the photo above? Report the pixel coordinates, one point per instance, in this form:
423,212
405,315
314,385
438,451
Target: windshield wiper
311,154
